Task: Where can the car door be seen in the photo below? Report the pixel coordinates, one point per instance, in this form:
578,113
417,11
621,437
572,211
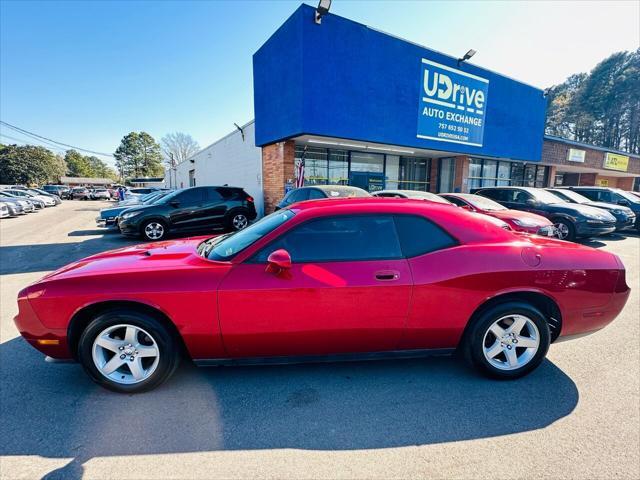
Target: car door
348,290
215,207
186,210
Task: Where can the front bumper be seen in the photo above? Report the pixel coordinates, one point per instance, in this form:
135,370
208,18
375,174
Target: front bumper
129,228
106,222
626,223
584,229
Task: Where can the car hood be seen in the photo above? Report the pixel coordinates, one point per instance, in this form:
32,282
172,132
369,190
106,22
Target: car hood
113,211
576,208
156,256
517,214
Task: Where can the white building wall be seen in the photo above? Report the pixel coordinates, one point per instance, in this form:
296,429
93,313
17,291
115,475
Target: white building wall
231,160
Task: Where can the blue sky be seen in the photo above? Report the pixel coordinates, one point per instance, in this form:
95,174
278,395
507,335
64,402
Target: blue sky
86,73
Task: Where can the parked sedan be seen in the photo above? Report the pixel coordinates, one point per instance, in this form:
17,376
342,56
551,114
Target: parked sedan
100,194
414,194
321,192
518,220
39,201
625,218
196,209
571,220
13,209
109,216
54,197
330,280
612,195
24,205
61,190
80,193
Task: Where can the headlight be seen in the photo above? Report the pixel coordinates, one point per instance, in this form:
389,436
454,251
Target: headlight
618,212
525,222
125,216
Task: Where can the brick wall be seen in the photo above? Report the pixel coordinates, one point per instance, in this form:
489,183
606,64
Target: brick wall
555,153
462,173
278,161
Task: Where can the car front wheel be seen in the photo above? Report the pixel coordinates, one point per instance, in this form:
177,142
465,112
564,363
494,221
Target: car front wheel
507,341
154,230
127,351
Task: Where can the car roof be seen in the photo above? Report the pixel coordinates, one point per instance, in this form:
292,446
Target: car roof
466,226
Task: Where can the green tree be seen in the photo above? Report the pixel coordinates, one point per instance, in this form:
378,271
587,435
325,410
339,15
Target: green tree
139,155
601,107
29,164
77,164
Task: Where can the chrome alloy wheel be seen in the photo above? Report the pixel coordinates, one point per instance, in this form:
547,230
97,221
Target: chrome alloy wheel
154,230
125,354
511,342
240,221
562,231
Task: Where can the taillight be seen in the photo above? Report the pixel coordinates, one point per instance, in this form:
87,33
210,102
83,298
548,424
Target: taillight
250,199
621,284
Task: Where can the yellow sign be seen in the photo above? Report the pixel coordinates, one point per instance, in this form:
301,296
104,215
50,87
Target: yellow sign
603,182
614,161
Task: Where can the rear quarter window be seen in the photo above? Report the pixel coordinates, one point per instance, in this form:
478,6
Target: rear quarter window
419,236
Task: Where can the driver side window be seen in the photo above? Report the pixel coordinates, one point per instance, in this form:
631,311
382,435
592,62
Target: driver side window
336,239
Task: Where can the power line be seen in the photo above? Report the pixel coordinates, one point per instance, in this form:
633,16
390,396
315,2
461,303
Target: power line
27,132
30,139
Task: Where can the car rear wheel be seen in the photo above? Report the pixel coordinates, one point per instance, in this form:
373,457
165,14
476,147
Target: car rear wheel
154,230
565,229
507,341
128,351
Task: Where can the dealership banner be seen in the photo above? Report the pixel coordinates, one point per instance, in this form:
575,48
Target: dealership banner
614,161
452,105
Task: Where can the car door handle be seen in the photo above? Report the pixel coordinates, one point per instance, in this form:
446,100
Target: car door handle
387,275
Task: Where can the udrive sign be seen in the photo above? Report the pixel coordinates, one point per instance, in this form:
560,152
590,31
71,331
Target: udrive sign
452,105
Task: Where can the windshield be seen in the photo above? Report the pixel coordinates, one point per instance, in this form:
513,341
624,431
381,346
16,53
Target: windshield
629,196
153,197
546,197
575,196
227,246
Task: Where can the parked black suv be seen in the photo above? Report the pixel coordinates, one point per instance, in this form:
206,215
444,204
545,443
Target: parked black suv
612,195
625,218
571,220
318,192
190,210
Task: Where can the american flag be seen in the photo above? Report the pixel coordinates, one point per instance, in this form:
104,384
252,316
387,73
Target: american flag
300,169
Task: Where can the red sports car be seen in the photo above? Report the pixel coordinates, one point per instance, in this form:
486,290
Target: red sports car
324,280
518,220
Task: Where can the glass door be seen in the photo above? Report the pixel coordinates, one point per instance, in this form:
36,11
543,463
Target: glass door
446,175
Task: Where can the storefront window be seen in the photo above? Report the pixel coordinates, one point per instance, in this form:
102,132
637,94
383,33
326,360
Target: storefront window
490,173
315,164
367,162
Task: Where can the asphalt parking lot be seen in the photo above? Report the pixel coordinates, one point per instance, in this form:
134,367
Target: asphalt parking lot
577,416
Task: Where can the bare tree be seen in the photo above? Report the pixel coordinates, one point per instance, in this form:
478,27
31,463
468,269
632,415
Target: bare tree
177,147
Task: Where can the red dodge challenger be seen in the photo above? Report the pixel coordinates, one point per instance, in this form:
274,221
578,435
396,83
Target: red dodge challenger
324,280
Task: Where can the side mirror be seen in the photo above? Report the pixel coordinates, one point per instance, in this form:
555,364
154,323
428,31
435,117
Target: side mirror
531,202
623,202
278,261
467,207
174,203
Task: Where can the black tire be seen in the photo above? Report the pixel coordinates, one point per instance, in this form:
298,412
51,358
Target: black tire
477,338
237,220
148,226
167,345
561,223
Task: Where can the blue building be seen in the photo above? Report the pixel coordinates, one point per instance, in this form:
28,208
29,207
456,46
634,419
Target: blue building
361,107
